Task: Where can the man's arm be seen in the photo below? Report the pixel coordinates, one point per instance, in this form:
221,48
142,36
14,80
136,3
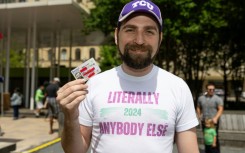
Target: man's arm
214,142
75,138
218,114
187,141
199,112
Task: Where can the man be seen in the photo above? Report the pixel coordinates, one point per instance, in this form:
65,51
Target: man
210,106
16,101
39,100
135,107
53,107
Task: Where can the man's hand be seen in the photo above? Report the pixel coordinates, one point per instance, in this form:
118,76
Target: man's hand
69,97
215,120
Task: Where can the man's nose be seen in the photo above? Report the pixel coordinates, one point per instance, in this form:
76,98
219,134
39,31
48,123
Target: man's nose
139,38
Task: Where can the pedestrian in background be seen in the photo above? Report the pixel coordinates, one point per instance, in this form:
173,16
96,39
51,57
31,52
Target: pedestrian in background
39,96
45,102
53,107
210,137
16,101
136,107
1,131
210,105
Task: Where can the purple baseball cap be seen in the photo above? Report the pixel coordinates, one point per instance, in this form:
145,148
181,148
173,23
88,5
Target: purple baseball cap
145,6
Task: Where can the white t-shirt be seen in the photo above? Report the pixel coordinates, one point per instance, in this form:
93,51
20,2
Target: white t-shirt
136,114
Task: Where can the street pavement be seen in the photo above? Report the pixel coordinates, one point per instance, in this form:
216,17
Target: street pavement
28,131
31,135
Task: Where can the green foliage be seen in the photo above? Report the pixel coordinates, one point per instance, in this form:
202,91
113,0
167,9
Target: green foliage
194,34
16,59
104,16
109,57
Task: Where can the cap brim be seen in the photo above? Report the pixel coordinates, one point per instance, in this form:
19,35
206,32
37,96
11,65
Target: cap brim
139,10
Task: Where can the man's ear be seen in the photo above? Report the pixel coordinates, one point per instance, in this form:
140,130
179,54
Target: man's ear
161,37
115,35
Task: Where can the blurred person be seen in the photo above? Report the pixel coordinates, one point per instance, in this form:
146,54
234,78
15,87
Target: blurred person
134,107
210,105
45,102
210,136
1,131
16,101
39,96
53,107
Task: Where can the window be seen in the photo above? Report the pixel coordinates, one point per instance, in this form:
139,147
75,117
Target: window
92,53
63,54
77,54
50,54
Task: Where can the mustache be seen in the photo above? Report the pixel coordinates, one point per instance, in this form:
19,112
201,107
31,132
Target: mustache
137,47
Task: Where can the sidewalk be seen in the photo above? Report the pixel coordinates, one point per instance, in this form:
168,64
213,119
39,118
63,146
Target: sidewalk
27,132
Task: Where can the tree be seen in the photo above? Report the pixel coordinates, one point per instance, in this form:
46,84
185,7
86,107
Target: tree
16,56
16,59
195,34
109,57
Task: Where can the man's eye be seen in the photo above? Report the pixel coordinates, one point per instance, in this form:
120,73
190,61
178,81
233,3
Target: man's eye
150,32
128,30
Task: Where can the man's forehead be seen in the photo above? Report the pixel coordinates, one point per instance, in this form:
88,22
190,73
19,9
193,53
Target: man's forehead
138,14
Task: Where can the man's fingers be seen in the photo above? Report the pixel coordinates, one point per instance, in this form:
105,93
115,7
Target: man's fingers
72,91
75,102
71,84
70,96
76,96
71,88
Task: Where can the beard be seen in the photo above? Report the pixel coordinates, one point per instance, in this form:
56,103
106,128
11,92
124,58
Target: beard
137,61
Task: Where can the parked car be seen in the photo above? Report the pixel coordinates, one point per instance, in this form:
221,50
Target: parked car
243,94
219,92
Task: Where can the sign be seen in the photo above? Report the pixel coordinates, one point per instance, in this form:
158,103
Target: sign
86,70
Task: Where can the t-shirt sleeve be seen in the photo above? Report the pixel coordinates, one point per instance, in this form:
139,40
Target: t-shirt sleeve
199,102
214,132
220,101
186,115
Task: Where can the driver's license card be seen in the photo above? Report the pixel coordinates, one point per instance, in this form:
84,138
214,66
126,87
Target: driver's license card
86,70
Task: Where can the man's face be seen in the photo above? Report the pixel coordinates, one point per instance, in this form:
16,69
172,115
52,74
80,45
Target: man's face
210,90
138,41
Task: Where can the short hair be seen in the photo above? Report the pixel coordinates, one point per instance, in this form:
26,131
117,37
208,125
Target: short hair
210,84
210,122
57,79
17,89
